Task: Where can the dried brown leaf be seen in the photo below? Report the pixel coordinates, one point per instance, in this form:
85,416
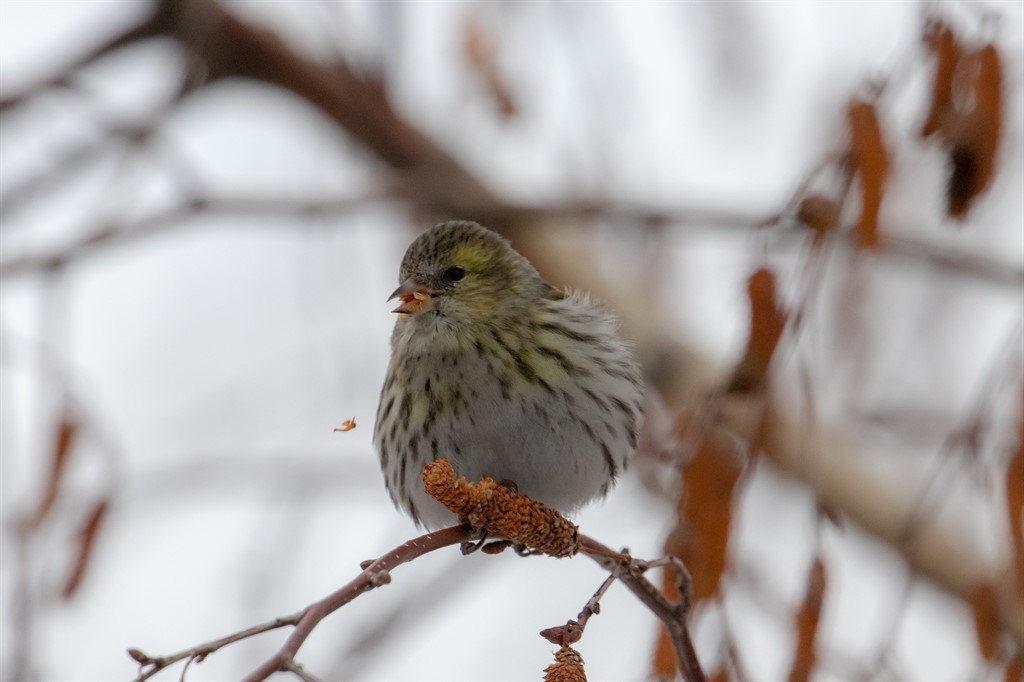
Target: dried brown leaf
86,546
1015,507
1014,669
706,509
767,322
60,455
988,100
944,47
985,608
870,161
973,133
807,618
701,535
665,662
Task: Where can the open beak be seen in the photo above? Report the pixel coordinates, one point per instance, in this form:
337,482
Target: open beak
415,298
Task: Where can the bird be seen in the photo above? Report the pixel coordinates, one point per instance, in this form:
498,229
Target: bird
503,375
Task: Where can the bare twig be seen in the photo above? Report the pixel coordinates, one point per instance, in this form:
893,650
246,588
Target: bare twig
230,47
375,575
427,174
621,566
151,665
630,571
113,233
71,161
968,265
297,669
371,640
572,631
141,31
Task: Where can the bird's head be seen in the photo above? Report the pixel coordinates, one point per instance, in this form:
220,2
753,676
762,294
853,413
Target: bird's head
462,271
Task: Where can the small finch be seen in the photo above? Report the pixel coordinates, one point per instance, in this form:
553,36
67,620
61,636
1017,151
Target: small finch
504,376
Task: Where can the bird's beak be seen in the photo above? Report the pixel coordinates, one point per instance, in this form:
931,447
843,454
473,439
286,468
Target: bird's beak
415,297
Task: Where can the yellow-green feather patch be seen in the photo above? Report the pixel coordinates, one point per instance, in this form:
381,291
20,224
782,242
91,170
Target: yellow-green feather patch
472,256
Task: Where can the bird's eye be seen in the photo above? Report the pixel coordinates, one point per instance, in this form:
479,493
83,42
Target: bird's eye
455,273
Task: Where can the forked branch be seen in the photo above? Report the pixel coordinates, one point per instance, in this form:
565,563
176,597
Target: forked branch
374,575
550,534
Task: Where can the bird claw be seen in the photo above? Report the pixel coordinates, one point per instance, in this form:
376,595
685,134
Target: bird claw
523,550
496,547
470,546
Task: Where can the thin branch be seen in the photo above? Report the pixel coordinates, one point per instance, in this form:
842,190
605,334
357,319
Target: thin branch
374,575
620,566
412,610
134,133
630,571
110,234
572,631
231,47
115,233
73,160
428,175
302,673
151,665
141,31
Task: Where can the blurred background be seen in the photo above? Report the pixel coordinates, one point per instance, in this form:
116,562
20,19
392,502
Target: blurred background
808,215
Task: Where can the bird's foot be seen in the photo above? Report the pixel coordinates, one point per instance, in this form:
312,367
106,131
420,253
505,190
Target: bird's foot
471,546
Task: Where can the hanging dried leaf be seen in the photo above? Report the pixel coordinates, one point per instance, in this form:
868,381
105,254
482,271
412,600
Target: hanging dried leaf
60,455
805,657
988,100
870,162
86,545
1014,669
767,321
706,511
943,45
962,177
986,620
1015,507
973,134
479,48
701,535
665,662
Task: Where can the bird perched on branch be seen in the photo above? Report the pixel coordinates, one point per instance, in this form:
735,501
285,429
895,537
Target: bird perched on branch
504,376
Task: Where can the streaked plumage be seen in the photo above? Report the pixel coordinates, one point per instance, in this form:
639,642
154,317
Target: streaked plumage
503,375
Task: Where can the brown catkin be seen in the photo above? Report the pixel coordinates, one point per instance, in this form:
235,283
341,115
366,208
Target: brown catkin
502,511
568,667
